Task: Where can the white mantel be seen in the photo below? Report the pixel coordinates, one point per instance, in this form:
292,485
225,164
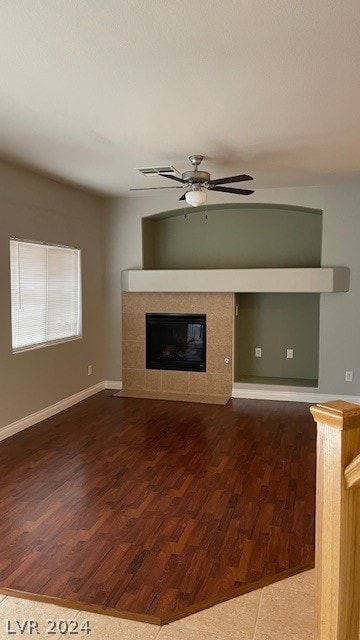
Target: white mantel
301,280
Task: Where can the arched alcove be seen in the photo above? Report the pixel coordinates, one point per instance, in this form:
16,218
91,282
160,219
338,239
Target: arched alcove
232,237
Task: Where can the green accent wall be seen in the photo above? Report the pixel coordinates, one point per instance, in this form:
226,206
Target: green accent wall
248,236
277,322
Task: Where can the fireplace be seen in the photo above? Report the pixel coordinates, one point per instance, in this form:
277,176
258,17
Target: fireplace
176,341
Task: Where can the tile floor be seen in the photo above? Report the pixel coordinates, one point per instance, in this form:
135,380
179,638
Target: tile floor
282,611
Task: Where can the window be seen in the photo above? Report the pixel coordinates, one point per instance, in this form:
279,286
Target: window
45,294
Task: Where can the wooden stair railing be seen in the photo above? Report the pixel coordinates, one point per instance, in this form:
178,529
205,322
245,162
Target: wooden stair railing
337,558
352,473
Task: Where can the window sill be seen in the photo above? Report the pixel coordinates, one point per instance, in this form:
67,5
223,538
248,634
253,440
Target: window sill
42,345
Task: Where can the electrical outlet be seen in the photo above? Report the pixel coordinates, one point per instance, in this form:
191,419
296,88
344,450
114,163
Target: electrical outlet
89,369
289,353
257,352
348,376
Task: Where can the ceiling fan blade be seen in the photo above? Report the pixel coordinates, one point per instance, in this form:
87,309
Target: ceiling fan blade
242,178
183,196
152,188
243,192
166,175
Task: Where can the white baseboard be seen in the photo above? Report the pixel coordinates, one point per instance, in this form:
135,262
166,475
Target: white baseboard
113,384
256,394
290,396
29,421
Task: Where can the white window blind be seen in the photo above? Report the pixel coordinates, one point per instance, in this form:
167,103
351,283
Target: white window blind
45,294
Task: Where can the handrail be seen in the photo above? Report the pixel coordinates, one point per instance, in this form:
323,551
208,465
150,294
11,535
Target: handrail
337,555
352,473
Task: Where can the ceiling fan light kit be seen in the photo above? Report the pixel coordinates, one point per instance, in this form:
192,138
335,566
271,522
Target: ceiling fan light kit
196,196
198,182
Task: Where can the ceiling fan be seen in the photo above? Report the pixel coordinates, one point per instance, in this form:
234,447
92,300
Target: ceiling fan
198,182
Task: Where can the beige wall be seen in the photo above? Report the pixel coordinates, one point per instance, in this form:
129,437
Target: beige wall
37,208
339,313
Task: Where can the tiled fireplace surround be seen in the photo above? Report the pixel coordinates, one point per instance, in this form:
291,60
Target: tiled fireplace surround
219,309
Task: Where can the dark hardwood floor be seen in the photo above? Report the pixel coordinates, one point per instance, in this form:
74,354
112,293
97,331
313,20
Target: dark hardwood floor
154,509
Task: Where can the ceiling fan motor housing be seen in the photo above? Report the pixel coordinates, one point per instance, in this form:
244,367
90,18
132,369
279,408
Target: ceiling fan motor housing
196,176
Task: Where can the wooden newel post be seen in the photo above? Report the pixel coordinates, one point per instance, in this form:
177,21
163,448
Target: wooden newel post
337,559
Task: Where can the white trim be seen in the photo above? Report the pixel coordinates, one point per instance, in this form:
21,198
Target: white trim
29,421
113,384
291,396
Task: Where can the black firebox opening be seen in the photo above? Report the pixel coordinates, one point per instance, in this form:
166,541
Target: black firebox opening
176,341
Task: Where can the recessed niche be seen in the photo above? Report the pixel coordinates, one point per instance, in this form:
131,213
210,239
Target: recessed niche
241,236
276,322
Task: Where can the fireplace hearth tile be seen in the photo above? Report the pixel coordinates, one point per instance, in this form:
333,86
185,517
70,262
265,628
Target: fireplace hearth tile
134,302
198,382
153,302
133,354
184,303
153,380
218,384
174,381
215,357
219,328
134,379
133,326
221,304
176,397
215,399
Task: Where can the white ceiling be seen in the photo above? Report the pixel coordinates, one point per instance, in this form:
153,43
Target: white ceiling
91,89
